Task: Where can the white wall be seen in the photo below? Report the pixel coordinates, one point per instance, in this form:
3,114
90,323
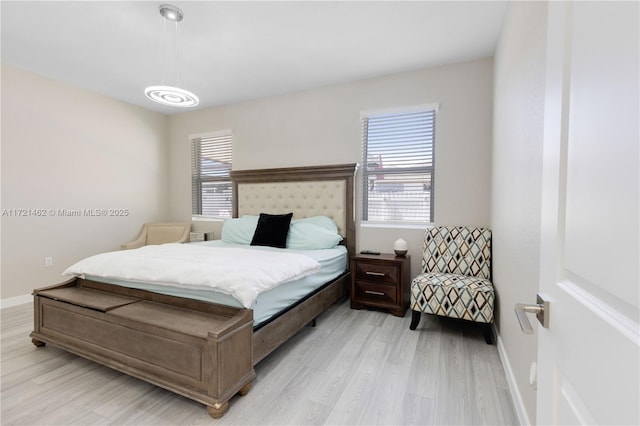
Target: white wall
516,183
322,126
66,148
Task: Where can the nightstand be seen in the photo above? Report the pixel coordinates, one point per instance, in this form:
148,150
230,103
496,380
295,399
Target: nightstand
201,236
380,281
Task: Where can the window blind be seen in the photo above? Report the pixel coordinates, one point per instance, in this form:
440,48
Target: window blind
211,193
398,166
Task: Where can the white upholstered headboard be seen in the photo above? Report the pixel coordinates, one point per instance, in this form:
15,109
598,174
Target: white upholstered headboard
304,199
305,191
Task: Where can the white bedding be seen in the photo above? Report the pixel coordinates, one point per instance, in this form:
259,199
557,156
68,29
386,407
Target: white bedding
239,272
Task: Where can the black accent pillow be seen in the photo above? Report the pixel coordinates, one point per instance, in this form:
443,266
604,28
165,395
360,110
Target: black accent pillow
272,230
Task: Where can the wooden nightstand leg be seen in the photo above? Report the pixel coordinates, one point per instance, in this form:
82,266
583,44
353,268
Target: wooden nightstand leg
398,312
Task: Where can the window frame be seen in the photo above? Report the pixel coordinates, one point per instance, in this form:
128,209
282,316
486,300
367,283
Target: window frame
427,170
197,179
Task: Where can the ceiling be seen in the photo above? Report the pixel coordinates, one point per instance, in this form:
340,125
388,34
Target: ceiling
238,50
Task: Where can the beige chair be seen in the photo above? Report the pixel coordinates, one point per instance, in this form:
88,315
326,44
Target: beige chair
160,233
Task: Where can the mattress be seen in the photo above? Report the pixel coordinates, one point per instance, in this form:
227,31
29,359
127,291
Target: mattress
333,263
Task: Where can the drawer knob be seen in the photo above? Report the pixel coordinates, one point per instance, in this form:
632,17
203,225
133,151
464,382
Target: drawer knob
377,274
377,293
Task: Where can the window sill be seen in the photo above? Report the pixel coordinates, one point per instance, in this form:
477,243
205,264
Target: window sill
207,219
396,225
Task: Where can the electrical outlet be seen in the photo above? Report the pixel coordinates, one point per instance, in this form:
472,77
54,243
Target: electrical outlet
48,262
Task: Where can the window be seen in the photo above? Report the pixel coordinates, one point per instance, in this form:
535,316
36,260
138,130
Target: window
211,193
398,165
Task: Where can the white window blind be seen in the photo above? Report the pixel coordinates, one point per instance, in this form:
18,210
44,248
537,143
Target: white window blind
398,166
211,192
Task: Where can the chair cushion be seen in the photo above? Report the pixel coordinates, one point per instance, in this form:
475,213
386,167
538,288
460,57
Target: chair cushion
452,295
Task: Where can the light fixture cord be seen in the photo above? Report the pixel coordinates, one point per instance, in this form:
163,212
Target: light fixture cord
165,55
178,55
157,58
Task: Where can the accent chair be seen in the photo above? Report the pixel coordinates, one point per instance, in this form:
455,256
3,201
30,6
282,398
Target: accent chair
160,233
456,277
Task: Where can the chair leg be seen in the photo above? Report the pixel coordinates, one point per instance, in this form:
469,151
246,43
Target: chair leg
488,334
415,319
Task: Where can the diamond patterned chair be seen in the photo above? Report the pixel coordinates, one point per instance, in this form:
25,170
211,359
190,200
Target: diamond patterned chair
456,276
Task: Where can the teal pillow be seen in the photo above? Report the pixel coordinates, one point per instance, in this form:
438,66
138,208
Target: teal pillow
310,233
239,230
321,221
306,235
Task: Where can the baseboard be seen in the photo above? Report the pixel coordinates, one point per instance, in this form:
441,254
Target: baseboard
15,301
511,380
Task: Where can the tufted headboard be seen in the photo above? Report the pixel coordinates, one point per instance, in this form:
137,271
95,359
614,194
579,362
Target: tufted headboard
305,191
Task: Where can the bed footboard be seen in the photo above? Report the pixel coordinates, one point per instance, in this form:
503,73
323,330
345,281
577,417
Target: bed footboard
200,350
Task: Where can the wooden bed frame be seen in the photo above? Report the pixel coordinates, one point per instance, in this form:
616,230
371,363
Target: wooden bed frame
200,350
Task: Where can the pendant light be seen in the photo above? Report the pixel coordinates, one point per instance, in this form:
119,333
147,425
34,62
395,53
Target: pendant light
166,94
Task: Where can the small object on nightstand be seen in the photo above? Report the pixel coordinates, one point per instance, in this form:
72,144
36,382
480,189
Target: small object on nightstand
380,281
196,236
400,247
375,253
201,236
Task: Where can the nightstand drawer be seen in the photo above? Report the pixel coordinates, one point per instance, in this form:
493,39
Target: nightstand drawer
377,273
376,293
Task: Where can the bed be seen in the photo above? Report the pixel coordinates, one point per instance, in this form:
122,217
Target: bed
203,349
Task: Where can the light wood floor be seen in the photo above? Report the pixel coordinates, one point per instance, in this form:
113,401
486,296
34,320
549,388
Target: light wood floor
354,367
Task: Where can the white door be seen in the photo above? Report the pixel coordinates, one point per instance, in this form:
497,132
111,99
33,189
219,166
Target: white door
588,359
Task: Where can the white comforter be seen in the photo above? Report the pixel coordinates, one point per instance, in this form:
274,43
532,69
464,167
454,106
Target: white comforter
239,272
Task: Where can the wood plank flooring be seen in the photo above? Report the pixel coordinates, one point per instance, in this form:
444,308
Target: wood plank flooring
354,367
